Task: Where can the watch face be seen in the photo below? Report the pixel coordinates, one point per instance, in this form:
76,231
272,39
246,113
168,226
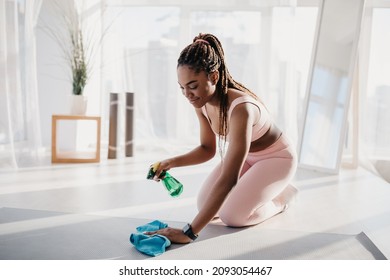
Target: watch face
186,228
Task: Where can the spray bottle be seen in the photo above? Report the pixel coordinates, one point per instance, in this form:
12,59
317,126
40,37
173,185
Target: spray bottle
174,187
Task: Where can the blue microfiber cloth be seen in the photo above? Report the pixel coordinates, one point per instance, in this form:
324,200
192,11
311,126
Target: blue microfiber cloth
152,245
152,226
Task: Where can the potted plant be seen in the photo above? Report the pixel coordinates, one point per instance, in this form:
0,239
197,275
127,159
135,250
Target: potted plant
79,66
78,63
77,45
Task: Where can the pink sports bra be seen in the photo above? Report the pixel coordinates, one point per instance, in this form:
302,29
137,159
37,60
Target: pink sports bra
261,127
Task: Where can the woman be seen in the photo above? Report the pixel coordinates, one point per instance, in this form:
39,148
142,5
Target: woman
251,183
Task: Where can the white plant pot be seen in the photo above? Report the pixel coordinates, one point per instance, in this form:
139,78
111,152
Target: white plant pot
78,105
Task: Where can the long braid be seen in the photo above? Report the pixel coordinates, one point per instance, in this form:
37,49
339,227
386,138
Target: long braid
206,53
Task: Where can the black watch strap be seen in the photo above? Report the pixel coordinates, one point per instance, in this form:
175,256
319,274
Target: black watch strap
187,230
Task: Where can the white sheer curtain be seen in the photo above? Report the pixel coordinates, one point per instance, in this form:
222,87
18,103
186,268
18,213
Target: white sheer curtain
19,112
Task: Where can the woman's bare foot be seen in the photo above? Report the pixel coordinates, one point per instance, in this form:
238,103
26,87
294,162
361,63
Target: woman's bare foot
285,197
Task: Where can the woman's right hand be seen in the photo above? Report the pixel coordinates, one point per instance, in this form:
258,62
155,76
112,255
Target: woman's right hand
161,166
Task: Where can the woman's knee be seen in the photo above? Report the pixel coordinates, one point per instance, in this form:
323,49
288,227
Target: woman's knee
233,219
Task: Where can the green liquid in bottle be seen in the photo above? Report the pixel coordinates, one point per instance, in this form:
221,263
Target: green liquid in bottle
174,187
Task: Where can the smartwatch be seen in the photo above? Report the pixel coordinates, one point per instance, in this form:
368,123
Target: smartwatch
187,230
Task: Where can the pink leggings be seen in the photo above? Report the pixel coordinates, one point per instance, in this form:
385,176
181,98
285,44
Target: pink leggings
265,174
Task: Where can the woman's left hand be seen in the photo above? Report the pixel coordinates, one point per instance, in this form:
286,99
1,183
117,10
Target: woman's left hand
173,234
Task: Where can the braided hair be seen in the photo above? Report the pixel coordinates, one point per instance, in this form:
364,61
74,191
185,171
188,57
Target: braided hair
206,54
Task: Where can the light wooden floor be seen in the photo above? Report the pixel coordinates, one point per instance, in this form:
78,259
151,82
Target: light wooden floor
348,203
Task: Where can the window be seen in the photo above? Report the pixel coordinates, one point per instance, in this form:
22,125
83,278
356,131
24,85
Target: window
377,98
